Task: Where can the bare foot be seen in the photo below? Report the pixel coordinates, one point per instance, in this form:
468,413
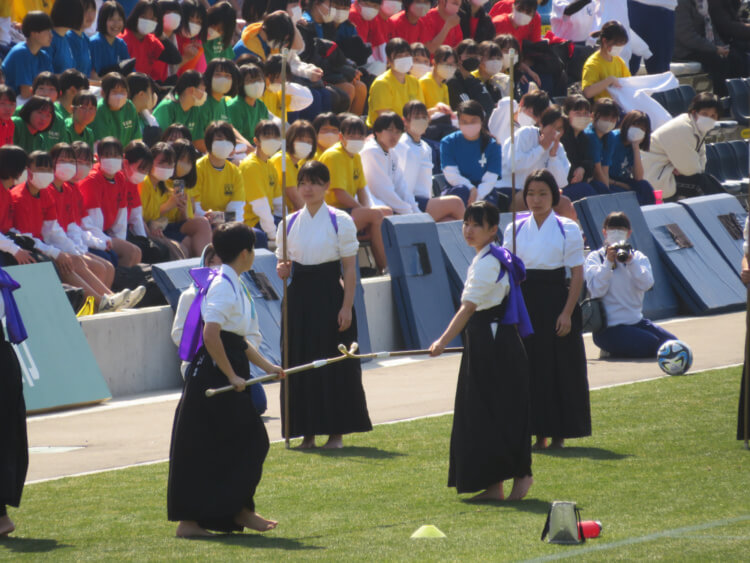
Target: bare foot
6,525
335,442
308,443
191,529
254,521
493,492
521,486
540,444
557,444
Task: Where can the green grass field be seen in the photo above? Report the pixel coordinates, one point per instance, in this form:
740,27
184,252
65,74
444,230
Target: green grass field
662,472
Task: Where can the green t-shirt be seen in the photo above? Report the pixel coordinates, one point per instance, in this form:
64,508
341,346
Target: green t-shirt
72,136
122,123
214,110
214,49
61,112
56,133
24,139
245,117
170,111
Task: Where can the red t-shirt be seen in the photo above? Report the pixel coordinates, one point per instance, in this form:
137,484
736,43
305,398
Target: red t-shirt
99,193
145,52
400,26
7,128
67,204
374,32
530,32
6,210
431,25
30,212
506,7
132,195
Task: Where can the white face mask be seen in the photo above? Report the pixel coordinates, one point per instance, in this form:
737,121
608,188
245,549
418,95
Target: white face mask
270,146
368,13
274,87
146,26
419,10
328,139
615,50
580,122
390,7
508,61
403,64
221,84
635,135
704,123
162,173
341,16
200,97
222,149
603,126
212,34
41,180
418,126
23,177
171,21
525,120
255,89
111,166
613,236
82,172
295,13
194,29
445,71
521,19
302,149
328,16
64,171
116,101
137,177
354,146
493,66
418,70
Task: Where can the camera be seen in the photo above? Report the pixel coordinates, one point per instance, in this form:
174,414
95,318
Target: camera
622,251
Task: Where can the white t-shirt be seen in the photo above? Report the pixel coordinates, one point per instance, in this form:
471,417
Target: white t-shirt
415,164
530,156
227,304
313,240
545,247
385,180
482,286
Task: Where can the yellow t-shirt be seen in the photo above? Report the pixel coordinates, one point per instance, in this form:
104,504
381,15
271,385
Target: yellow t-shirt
152,199
260,180
273,102
215,188
387,93
291,174
597,69
432,92
346,173
23,7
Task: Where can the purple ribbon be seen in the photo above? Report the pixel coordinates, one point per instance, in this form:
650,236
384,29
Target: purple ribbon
192,333
16,330
515,310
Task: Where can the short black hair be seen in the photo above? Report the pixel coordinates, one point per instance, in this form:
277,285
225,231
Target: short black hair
278,26
414,106
443,53
67,13
546,177
46,78
576,102
705,100
327,118
536,101
419,50
606,107
525,6
84,96
507,41
616,219
36,103
385,120
472,107
180,128
219,127
272,66
468,46
252,71
551,115
61,149
138,10
40,159
397,46
73,78
83,150
139,82
612,31
108,9
13,161
188,79
227,66
112,79
301,128
34,22
167,151
482,212
315,172
182,148
266,128
222,13
7,92
230,239
352,124
489,49
137,150
109,145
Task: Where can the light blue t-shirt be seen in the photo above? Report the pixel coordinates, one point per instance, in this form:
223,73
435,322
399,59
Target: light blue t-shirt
104,55
468,156
60,53
21,66
79,46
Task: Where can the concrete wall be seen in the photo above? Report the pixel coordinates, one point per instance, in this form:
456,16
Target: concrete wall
136,354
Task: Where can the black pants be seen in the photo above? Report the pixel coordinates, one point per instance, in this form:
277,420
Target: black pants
721,68
696,185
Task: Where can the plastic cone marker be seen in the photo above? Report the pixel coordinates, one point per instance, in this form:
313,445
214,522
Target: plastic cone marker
428,531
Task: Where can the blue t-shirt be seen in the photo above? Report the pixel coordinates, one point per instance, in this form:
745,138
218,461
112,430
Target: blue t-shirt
621,167
21,67
79,46
104,55
60,53
345,31
128,6
472,163
600,149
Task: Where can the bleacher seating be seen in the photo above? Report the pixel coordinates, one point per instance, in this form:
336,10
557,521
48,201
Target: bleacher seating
728,163
677,100
739,99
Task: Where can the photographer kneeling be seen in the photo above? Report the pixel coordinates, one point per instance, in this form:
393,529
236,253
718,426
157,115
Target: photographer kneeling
621,276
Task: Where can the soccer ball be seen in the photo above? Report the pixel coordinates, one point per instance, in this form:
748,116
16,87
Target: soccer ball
674,357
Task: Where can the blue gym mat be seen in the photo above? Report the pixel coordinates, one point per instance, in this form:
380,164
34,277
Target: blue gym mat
722,219
700,274
660,301
174,277
418,279
457,254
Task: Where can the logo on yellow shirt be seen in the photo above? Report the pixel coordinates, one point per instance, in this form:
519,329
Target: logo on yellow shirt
228,189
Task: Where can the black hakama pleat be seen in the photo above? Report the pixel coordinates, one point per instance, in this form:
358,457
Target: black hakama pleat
331,399
557,366
218,445
491,439
14,446
741,408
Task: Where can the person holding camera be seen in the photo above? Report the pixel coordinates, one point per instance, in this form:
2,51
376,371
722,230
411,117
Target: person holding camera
621,276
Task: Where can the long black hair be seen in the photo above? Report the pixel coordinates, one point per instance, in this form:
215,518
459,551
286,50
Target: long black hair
474,108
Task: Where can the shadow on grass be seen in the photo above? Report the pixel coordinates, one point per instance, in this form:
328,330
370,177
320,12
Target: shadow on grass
355,451
533,505
30,545
576,451
259,541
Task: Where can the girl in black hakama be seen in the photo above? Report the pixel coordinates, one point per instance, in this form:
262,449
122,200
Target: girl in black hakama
14,450
559,382
219,443
320,241
490,440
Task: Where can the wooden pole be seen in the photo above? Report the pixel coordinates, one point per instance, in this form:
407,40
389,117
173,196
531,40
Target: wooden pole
746,369
285,253
511,94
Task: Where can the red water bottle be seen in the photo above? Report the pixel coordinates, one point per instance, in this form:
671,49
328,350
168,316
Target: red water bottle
590,529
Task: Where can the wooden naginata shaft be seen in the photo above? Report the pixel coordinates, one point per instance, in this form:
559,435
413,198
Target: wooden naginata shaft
511,94
285,253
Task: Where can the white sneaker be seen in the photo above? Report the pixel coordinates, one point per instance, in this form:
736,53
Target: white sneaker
134,297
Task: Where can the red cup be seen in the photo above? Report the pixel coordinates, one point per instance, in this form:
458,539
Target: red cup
590,529
658,196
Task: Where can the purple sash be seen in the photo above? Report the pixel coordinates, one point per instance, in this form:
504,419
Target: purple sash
331,214
16,330
192,333
515,310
